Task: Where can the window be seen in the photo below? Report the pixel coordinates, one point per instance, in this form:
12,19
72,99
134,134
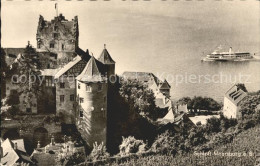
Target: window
62,46
15,80
81,114
88,88
103,112
99,87
48,66
61,98
72,98
51,45
28,110
55,28
55,35
62,85
105,98
38,45
81,100
78,85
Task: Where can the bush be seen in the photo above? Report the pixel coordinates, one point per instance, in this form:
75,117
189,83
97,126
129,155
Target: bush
164,144
131,145
99,152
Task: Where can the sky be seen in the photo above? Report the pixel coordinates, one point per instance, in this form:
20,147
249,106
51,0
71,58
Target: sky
141,34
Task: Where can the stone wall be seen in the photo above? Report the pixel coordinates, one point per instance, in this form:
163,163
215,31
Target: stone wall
93,104
66,108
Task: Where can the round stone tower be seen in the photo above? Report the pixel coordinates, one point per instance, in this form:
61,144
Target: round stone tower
91,90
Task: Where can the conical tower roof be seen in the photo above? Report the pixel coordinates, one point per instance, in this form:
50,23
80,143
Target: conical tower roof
90,73
105,57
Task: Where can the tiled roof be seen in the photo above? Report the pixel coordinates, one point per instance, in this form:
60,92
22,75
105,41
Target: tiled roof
9,158
84,55
69,65
13,52
49,72
11,155
164,85
235,94
20,144
140,76
90,73
105,57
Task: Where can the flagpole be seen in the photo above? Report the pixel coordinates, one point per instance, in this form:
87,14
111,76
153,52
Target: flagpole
56,7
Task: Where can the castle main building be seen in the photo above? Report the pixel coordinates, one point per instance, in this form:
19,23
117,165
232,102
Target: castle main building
75,84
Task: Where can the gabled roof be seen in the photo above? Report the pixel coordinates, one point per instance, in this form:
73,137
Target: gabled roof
49,72
140,76
11,155
13,52
90,73
165,85
235,94
69,65
105,57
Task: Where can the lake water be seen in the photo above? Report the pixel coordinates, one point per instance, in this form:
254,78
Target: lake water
167,38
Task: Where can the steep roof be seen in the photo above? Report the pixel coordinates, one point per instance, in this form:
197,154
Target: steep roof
235,94
90,73
13,52
11,155
49,72
165,85
105,57
140,76
65,68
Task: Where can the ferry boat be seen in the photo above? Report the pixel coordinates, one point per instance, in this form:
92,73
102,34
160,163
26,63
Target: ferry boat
228,56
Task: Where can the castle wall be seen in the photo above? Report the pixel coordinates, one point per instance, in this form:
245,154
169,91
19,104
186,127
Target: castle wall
93,106
66,107
11,87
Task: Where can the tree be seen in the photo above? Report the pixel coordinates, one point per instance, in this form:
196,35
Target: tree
184,100
249,104
206,103
140,99
28,67
3,70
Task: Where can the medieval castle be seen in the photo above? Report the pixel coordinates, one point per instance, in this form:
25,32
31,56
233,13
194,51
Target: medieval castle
76,85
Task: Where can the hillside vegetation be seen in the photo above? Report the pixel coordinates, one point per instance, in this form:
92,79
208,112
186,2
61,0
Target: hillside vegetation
246,141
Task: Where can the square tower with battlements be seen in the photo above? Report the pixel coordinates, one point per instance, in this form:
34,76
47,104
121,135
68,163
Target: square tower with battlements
57,39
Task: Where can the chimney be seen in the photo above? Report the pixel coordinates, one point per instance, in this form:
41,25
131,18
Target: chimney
38,145
230,50
52,140
15,146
